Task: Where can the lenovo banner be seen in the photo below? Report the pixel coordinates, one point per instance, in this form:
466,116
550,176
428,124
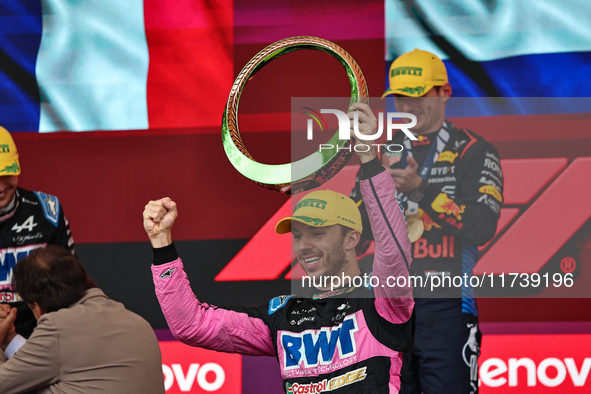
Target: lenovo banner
188,369
535,364
549,363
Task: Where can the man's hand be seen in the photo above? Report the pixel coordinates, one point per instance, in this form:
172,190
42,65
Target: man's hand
159,217
7,318
368,125
406,180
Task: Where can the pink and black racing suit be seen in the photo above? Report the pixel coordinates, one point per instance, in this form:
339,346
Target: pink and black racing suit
348,341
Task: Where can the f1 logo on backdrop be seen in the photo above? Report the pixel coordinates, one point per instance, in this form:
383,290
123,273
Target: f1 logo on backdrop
546,203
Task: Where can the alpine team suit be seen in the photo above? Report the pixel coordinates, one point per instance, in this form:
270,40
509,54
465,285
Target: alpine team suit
31,221
340,341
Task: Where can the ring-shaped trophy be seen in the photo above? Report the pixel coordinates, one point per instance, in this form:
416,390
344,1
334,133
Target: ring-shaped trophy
313,170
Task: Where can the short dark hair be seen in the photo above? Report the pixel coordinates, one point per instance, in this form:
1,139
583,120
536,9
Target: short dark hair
52,277
345,230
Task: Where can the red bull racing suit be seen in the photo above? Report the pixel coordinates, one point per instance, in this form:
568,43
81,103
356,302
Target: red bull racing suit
338,341
459,211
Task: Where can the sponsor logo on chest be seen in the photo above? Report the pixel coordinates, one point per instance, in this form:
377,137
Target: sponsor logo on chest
320,346
445,249
8,259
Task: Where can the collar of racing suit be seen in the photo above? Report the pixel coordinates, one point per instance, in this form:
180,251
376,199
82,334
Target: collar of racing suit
9,210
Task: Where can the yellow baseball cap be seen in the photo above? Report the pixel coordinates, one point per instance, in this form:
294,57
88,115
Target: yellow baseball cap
9,164
415,73
323,208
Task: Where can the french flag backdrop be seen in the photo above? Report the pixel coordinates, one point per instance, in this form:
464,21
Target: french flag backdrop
114,65
136,65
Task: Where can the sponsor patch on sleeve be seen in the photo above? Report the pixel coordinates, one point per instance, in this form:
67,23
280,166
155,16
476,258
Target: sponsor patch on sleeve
168,273
51,207
277,303
493,191
447,156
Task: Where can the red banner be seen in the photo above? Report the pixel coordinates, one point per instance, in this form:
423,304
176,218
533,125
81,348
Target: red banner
535,364
189,369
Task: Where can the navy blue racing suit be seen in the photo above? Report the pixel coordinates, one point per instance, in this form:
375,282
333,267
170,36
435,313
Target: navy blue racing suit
459,212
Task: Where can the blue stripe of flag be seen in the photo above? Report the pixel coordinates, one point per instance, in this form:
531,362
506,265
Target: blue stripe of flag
20,37
542,75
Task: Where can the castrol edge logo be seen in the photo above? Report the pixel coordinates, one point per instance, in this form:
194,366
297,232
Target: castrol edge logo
326,385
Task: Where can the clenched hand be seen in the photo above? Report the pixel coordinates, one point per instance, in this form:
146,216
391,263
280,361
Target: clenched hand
159,216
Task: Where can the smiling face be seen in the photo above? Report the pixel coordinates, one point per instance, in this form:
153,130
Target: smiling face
8,185
325,251
429,109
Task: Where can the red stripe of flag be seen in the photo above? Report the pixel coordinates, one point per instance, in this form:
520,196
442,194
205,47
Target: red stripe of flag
190,73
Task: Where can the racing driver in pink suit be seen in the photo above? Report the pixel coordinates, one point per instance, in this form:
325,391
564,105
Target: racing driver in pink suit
345,340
